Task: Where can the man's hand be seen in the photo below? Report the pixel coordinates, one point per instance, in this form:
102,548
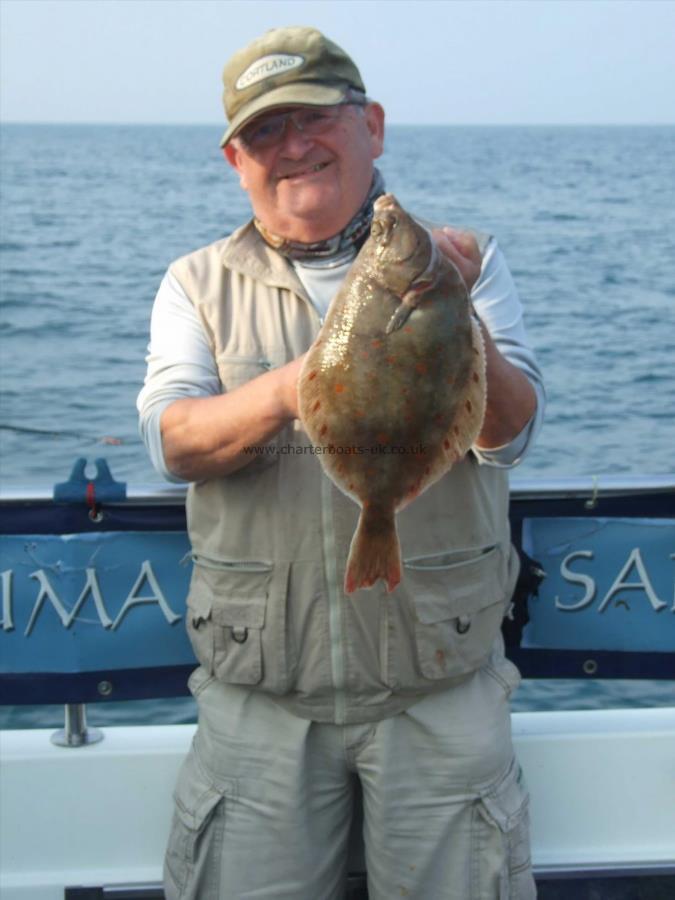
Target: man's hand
461,249
511,400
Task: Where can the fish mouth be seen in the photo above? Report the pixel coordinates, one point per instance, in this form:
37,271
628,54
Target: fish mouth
308,170
386,201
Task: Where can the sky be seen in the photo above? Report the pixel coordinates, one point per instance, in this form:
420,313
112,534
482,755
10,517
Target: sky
427,61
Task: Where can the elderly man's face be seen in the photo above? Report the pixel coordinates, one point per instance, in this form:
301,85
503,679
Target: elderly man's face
308,187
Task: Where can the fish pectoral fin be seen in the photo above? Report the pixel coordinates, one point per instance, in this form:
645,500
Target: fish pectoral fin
399,318
409,301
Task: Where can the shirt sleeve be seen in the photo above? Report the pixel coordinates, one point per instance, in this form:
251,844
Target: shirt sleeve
496,301
180,364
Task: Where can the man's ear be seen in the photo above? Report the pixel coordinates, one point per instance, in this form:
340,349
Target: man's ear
375,122
232,154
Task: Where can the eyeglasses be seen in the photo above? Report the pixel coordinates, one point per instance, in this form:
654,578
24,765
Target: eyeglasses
266,132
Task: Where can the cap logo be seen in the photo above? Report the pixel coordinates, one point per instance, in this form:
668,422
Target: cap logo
266,67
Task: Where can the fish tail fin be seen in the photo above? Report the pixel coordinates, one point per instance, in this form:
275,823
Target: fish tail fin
375,551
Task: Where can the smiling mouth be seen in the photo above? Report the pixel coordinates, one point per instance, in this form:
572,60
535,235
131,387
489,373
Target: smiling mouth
309,171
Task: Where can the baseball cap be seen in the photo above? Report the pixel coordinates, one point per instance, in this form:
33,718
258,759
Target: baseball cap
285,67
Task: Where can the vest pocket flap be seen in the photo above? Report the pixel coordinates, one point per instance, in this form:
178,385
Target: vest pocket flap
199,600
231,593
444,588
239,612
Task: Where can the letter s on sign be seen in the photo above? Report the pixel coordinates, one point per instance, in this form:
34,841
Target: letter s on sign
577,578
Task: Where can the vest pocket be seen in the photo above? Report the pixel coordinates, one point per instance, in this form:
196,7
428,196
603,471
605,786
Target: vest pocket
458,601
237,621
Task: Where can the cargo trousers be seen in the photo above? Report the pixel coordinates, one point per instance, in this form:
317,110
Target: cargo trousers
264,800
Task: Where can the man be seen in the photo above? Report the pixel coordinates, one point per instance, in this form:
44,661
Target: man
302,689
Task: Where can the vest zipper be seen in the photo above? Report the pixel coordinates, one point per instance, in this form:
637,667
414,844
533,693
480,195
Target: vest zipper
335,614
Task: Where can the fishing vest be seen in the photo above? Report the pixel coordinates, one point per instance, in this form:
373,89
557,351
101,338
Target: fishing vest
266,608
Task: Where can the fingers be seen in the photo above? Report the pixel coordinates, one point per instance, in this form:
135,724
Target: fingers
461,249
465,242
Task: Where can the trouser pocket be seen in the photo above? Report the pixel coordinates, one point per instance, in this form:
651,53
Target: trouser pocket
193,856
502,866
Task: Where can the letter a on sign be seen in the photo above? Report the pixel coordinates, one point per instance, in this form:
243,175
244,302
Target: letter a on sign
644,584
157,596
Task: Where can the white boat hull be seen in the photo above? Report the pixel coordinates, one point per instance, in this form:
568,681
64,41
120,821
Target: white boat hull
602,786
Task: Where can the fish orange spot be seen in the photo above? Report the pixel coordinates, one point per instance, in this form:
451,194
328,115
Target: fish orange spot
407,329
312,375
339,388
359,414
376,344
391,360
382,438
440,658
364,354
324,429
469,407
446,444
317,405
422,368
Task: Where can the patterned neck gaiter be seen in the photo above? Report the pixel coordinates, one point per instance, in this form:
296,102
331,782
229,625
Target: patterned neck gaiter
349,239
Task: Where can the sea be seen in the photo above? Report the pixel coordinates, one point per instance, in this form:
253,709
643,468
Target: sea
92,215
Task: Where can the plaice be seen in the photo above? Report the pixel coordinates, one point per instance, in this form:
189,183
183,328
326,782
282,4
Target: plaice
393,389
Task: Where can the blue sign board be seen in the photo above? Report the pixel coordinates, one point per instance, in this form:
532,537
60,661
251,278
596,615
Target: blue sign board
116,600
91,602
609,585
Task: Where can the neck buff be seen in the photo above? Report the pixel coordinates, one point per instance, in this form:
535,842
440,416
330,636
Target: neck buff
334,249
